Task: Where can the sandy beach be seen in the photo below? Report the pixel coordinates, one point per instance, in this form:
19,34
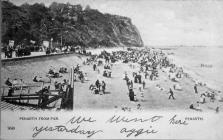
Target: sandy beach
116,96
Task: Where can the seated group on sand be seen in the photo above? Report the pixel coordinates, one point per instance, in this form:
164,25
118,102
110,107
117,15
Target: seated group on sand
98,87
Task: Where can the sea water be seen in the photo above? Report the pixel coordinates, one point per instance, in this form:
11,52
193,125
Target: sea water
204,64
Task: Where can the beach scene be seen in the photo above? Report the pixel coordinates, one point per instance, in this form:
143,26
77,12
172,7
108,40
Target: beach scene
161,59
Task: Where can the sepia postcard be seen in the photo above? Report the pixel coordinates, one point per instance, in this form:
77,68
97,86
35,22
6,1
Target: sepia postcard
111,69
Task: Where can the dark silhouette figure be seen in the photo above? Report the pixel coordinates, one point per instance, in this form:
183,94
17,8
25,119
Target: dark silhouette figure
171,94
195,88
131,95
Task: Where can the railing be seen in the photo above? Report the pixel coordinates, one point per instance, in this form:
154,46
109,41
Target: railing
36,56
18,87
23,94
42,99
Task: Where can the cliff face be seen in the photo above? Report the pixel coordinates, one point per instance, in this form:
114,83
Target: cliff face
125,31
74,25
107,30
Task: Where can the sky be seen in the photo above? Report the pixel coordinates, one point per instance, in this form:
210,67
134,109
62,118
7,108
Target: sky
163,22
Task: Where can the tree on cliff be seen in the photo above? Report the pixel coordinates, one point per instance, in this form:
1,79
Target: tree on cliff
66,23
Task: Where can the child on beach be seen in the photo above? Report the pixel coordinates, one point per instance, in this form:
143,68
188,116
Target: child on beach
131,95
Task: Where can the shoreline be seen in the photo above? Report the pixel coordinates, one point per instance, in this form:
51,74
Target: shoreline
155,98
195,76
204,85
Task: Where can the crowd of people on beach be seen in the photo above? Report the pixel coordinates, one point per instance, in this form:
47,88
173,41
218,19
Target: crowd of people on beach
150,63
98,87
145,65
